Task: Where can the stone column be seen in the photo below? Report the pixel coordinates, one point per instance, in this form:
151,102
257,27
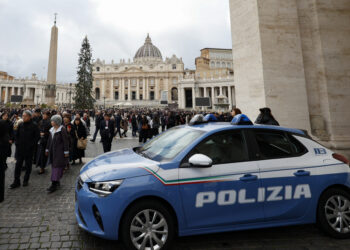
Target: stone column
129,89
111,96
220,90
205,92
212,96
6,94
121,89
147,89
229,96
144,88
138,89
268,59
193,98
156,83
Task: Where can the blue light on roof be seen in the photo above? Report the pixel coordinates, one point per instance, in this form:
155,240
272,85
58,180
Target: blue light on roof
210,118
241,119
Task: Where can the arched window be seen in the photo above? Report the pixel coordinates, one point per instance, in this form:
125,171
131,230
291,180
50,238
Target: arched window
97,93
212,64
174,94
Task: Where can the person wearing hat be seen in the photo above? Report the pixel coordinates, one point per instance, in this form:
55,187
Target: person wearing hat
266,117
107,132
57,149
26,138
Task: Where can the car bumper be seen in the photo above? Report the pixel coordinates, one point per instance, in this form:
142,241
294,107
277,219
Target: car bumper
96,215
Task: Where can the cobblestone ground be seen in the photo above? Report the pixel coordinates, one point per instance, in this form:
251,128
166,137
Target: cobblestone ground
32,219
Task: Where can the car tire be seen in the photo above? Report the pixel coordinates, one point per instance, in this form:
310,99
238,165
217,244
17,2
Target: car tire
159,228
333,207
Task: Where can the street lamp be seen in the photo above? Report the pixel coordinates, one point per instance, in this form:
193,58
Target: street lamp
37,100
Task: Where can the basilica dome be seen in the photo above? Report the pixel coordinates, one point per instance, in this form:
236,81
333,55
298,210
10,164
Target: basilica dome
148,50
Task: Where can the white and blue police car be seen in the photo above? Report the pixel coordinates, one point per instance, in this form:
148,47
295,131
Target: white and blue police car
213,177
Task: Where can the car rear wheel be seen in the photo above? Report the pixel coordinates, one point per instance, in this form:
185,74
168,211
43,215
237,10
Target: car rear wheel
334,213
147,225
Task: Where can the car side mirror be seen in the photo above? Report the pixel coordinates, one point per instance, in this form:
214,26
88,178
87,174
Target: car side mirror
200,161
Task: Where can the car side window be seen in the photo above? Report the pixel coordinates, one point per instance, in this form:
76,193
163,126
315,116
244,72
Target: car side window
227,147
277,144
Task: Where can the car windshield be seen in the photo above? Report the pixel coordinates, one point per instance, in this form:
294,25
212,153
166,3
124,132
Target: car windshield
170,143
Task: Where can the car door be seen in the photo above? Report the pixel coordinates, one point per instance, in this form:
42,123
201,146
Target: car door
225,193
285,178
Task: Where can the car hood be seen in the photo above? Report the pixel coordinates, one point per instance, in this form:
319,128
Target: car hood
120,164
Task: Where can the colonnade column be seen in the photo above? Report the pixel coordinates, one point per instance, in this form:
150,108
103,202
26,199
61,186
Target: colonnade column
156,83
129,89
138,89
212,96
193,98
205,92
122,89
144,89
229,96
6,94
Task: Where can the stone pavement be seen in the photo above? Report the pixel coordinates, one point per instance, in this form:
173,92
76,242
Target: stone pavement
32,219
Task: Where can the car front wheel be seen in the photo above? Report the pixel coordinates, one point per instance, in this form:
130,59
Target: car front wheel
334,213
147,225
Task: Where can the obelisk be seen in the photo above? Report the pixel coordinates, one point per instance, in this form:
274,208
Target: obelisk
50,93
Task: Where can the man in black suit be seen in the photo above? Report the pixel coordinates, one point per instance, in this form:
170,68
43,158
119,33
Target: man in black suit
118,119
107,128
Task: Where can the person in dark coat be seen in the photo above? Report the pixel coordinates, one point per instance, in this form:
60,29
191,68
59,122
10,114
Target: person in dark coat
4,144
171,121
118,119
145,130
134,125
68,126
27,137
98,120
57,149
107,132
8,153
44,127
79,131
266,117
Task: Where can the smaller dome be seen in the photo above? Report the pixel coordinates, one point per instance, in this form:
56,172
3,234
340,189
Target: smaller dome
148,50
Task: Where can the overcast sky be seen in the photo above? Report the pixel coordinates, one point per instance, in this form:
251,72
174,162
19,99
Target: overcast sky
115,28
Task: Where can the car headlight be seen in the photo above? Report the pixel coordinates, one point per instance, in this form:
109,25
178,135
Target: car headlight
104,188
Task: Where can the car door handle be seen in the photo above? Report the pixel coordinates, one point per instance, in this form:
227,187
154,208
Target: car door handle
302,173
248,177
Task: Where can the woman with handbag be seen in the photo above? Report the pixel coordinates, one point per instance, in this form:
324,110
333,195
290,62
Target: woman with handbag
79,140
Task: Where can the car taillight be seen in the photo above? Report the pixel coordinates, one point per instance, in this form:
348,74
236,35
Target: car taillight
341,158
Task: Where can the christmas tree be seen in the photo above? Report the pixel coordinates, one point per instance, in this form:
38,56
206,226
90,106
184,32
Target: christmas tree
83,89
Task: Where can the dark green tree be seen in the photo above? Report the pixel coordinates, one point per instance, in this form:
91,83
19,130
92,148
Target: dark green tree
83,89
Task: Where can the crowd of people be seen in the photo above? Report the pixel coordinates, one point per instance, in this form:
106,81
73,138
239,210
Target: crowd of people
58,137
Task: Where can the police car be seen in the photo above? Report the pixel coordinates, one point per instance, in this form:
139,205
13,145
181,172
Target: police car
212,177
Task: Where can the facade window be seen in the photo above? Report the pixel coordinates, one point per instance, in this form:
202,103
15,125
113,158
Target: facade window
218,64
152,81
116,82
174,80
151,95
141,97
116,95
126,96
223,64
229,65
97,93
97,82
97,69
212,65
174,94
133,82
133,95
174,66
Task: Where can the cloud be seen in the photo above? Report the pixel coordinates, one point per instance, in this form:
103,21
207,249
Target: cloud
115,28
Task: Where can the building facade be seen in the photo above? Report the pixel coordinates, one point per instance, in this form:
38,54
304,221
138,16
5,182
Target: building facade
144,81
33,91
213,78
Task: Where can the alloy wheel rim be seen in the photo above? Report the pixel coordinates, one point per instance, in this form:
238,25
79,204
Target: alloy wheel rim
149,230
337,211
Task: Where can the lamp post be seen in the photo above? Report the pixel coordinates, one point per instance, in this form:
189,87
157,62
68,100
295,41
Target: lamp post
37,100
